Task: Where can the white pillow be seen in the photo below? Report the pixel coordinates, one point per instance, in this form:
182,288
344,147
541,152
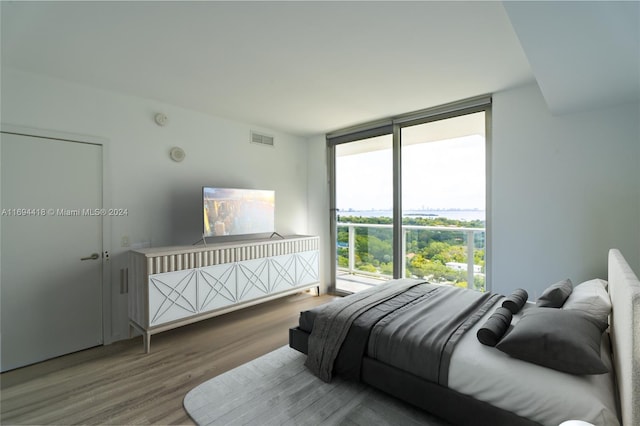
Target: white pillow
592,298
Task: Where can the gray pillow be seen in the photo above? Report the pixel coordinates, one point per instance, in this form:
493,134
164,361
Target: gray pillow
555,295
565,340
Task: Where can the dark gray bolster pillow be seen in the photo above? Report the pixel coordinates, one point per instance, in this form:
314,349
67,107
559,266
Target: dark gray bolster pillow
495,327
516,301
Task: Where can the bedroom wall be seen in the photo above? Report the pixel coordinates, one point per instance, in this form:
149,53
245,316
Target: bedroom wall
565,189
163,197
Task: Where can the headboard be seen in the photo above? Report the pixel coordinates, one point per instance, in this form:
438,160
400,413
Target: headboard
624,290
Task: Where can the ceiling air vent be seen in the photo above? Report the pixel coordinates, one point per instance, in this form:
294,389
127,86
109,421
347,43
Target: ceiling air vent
261,139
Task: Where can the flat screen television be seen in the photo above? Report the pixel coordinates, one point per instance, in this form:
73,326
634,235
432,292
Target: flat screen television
232,211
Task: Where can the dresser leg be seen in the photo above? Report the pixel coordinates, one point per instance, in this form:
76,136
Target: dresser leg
147,342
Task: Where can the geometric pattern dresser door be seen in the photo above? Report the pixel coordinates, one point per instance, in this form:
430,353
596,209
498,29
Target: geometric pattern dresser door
217,286
172,296
253,279
282,275
307,267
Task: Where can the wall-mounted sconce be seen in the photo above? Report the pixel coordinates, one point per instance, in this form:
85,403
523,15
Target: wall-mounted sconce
177,154
161,119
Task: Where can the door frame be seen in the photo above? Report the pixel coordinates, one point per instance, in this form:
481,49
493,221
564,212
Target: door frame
107,332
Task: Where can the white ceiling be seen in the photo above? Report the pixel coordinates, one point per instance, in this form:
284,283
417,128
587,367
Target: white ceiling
299,67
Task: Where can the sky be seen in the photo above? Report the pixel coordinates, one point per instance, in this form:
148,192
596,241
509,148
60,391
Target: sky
448,174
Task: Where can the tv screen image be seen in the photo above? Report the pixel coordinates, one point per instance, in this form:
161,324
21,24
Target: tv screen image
231,211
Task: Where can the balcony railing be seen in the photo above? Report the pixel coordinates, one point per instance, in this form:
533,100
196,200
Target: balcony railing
469,236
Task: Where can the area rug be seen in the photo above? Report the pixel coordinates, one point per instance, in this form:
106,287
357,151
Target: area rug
277,389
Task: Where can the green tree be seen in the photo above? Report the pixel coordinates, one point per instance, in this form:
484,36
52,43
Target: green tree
366,267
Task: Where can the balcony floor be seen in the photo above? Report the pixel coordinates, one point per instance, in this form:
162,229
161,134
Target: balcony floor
353,283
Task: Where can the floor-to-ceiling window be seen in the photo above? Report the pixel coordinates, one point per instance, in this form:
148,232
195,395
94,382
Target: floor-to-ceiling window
409,198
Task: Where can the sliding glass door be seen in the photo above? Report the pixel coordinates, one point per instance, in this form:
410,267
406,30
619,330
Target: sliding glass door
443,200
364,213
409,198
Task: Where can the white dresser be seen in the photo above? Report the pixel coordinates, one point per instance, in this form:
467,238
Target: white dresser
173,286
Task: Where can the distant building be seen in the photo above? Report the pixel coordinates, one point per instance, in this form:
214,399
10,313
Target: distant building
477,269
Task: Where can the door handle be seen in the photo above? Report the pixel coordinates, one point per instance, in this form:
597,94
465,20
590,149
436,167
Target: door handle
94,256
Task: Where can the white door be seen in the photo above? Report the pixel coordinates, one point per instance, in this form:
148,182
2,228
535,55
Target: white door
51,299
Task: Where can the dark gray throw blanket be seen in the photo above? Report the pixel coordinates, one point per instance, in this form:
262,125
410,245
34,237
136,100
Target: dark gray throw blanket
409,324
332,323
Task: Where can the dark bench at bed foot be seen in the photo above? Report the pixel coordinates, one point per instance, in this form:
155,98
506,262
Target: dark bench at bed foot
298,340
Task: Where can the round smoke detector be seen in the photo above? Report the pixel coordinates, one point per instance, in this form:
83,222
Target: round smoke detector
177,154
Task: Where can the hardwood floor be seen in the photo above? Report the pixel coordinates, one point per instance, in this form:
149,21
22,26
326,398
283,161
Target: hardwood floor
120,384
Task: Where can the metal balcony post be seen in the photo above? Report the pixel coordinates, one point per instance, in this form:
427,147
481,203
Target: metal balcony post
470,259
403,257
352,249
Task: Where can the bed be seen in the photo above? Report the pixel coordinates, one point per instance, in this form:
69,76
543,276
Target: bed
475,383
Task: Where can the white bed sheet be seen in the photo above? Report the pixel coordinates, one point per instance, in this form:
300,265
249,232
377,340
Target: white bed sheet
541,394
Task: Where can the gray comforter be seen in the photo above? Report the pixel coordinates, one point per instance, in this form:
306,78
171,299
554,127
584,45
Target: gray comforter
409,324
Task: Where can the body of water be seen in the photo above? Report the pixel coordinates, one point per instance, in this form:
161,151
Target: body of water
449,214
